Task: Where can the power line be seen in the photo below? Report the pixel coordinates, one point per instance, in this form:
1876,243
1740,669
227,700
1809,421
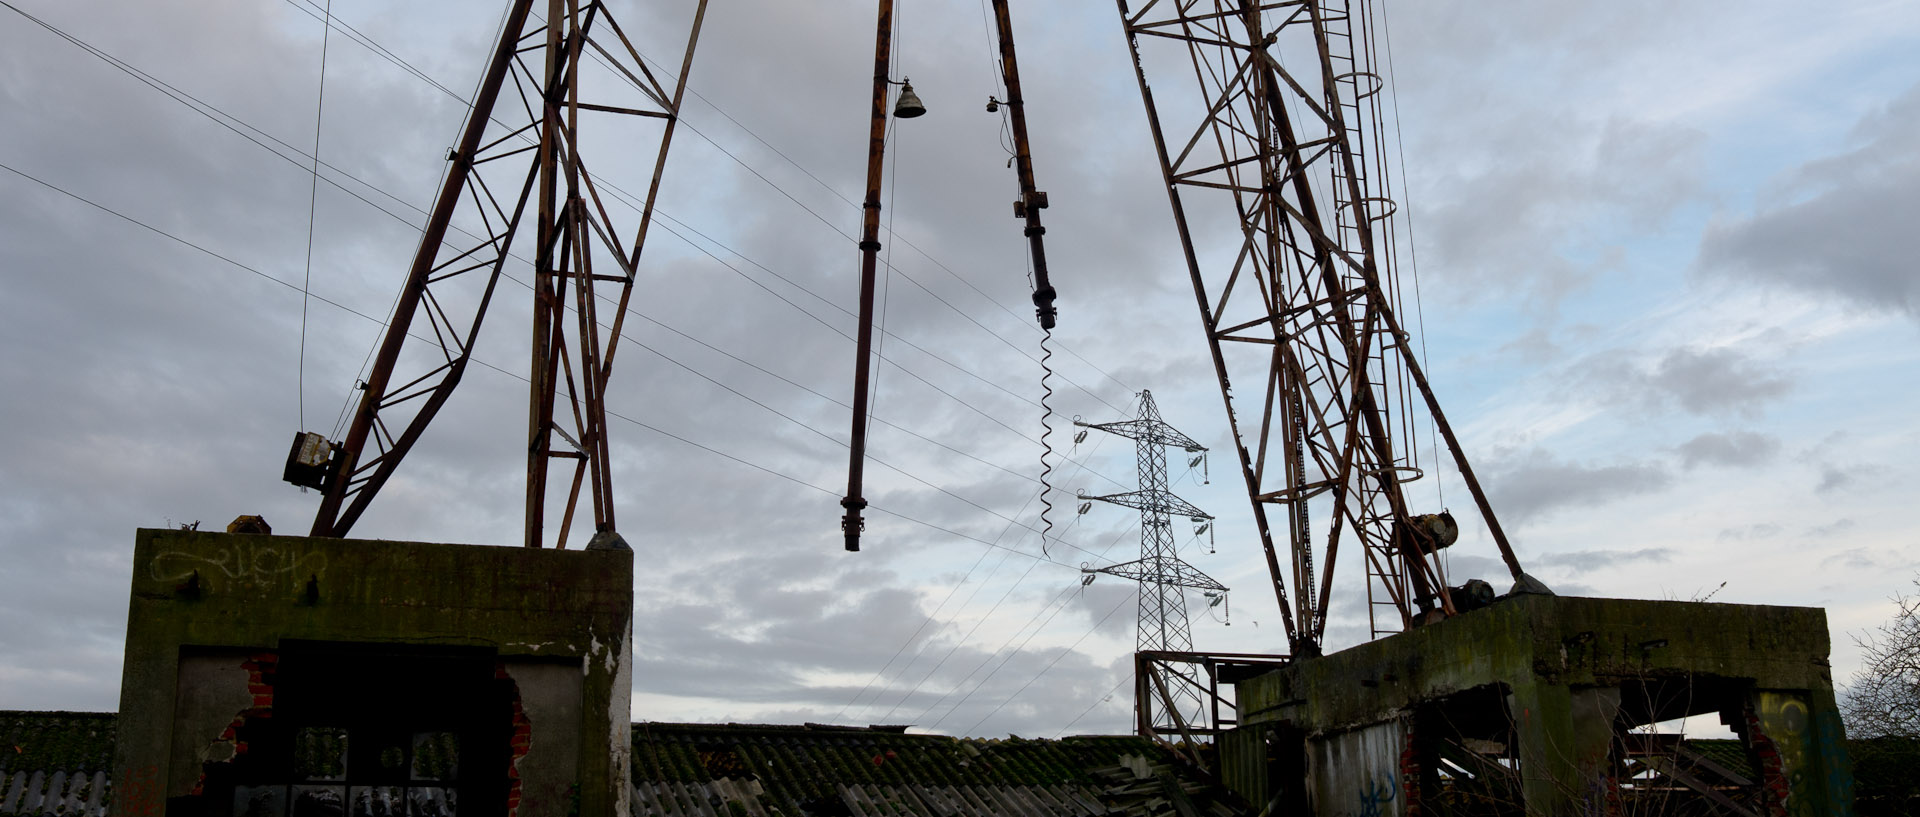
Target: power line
1043,671
923,253
1057,604
313,201
1413,246
976,627
1089,710
330,302
624,198
228,121
210,111
389,56
306,290
928,619
956,646
1060,600
931,617
308,7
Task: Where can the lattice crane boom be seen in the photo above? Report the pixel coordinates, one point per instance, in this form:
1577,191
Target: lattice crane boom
519,159
1279,189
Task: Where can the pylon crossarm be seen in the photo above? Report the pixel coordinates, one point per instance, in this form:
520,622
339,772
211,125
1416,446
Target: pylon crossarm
1151,432
1152,501
1170,572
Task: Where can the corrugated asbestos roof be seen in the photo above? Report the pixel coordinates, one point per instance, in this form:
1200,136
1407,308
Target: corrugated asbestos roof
1730,755
55,762
717,770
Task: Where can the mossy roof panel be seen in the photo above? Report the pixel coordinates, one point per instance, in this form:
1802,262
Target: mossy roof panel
56,741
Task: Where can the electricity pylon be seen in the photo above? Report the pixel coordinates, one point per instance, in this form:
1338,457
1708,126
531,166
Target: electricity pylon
1163,577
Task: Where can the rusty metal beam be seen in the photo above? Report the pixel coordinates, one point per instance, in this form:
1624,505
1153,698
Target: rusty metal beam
851,524
1032,201
1283,162
571,356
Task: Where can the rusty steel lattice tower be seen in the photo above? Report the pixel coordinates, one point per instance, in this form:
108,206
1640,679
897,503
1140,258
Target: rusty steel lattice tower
1275,160
1163,577
556,81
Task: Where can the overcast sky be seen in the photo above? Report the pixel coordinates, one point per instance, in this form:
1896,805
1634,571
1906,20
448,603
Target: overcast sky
1665,256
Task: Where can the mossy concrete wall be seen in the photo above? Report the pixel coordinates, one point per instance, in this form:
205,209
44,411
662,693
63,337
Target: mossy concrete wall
207,593
1560,664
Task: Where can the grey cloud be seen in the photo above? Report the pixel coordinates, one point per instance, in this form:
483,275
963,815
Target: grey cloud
1534,347
1567,588
1732,449
1108,594
1716,381
161,378
1463,566
1758,530
1537,484
1546,190
1880,560
1596,559
1856,558
1837,526
1845,230
1847,477
145,381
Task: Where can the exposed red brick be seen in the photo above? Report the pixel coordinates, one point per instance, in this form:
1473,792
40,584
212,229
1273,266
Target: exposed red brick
1773,780
522,741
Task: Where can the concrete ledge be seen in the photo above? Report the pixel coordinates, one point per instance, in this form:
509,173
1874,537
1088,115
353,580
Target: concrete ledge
1532,705
1558,640
226,631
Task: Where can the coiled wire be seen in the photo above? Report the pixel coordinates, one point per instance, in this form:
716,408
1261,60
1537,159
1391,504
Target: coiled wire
1046,452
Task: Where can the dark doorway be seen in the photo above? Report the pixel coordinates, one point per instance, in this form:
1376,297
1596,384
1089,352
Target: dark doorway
373,730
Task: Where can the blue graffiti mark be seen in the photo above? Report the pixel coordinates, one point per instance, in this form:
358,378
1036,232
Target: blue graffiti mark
1374,798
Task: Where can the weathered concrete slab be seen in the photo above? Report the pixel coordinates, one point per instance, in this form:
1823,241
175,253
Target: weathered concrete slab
356,669
1533,698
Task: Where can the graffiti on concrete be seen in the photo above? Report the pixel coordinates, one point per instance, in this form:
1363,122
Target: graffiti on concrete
1803,753
1376,799
239,564
1358,772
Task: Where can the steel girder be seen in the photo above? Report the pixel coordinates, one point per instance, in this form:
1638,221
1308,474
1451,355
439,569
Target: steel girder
517,155
1277,182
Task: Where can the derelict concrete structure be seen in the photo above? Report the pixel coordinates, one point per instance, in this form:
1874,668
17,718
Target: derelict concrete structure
1527,706
264,672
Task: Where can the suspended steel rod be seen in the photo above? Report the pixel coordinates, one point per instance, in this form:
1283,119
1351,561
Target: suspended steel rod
1032,201
851,524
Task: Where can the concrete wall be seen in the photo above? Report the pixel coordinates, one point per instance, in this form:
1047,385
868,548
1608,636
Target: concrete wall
1560,679
1357,772
210,613
212,691
550,703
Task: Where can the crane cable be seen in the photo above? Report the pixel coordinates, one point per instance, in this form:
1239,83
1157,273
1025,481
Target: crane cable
313,199
893,184
1013,140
